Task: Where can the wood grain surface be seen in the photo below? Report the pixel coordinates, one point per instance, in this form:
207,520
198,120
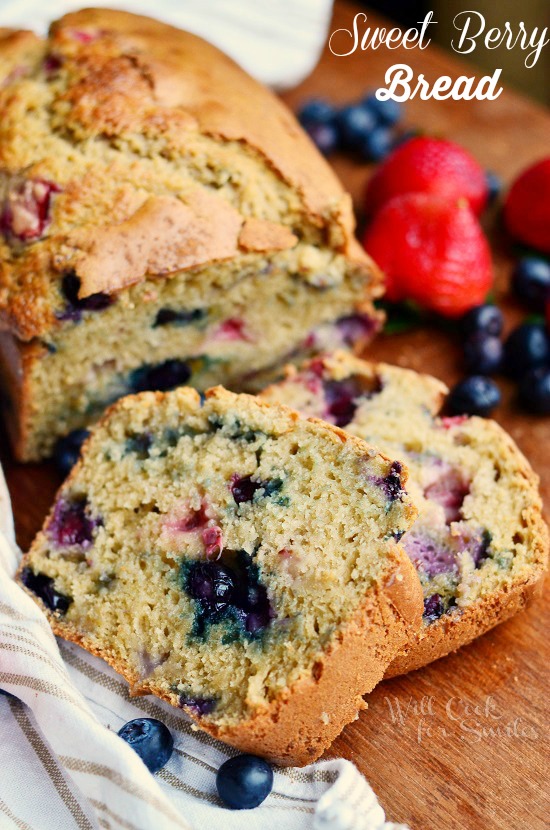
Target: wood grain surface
463,742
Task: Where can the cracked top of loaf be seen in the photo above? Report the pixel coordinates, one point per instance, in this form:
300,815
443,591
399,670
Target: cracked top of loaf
131,149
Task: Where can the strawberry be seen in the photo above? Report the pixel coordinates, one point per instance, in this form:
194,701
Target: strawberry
432,251
428,165
527,206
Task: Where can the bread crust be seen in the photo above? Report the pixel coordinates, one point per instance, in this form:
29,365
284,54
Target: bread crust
295,730
302,721
16,362
165,236
459,630
133,79
158,158
451,631
224,101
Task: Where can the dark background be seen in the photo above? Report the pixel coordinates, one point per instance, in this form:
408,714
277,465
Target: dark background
534,82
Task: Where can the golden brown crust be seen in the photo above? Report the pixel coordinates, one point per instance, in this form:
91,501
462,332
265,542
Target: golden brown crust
298,728
458,629
302,721
165,235
16,360
17,47
124,115
184,72
451,631
261,235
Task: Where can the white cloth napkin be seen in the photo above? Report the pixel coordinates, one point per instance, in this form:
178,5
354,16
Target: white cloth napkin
277,42
62,765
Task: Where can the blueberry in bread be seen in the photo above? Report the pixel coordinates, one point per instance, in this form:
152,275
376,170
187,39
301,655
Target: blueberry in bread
479,544
236,560
163,220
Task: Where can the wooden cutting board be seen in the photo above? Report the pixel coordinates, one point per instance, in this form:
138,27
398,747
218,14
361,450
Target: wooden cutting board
462,743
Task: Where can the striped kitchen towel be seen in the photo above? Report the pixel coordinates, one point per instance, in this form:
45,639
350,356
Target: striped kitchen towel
64,767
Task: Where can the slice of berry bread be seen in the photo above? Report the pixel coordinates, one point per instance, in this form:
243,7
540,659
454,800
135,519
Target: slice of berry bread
479,544
163,220
236,560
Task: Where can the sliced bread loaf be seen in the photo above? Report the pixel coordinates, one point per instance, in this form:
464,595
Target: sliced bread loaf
236,560
163,220
479,544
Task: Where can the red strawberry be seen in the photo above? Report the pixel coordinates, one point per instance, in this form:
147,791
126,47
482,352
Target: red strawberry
527,206
432,251
428,165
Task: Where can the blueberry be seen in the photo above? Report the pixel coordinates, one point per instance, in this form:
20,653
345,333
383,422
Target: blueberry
316,111
433,608
356,328
212,585
244,782
243,489
392,484
228,592
534,391
483,353
70,286
256,621
198,705
43,587
531,281
388,112
341,396
324,136
151,739
494,186
428,554
272,486
67,450
483,318
160,377
527,347
140,444
480,549
169,316
355,122
377,144
475,395
71,524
